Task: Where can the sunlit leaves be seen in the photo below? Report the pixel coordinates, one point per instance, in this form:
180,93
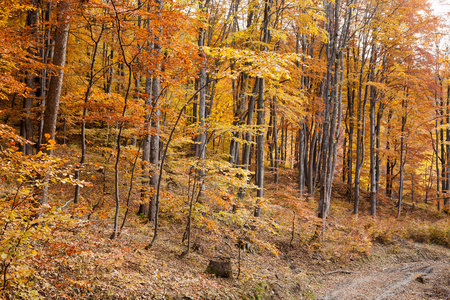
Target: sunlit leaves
264,64
23,221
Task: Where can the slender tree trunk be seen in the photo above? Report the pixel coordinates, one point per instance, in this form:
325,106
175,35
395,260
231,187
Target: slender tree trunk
389,163
302,146
91,78
302,132
447,149
311,164
436,99
276,147
154,146
26,123
260,145
360,132
373,182
332,15
144,206
46,54
443,159
129,81
402,158
377,153
155,121
260,112
237,111
201,138
246,151
351,127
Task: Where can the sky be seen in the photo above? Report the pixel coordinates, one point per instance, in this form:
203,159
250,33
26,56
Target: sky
441,6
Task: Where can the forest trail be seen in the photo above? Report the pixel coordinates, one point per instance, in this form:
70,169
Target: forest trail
427,279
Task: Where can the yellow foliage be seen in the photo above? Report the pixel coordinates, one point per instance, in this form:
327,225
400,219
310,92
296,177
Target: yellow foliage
23,220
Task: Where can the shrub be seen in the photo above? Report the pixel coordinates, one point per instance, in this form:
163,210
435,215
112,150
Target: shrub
24,221
437,233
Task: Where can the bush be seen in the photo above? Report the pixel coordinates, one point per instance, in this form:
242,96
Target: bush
24,220
437,233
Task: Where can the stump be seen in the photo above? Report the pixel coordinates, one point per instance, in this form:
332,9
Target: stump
220,268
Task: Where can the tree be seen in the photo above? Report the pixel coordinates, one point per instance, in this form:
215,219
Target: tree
339,35
59,60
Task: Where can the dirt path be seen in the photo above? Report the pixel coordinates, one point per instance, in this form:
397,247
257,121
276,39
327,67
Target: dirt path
427,278
423,280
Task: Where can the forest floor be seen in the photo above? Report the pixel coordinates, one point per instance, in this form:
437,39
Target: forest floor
95,267
83,263
351,258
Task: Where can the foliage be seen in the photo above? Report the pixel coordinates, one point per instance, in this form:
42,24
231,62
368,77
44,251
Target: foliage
423,232
24,223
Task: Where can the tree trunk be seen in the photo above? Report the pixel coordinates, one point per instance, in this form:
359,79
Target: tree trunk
155,120
201,138
360,132
402,158
260,112
246,151
59,60
91,78
120,32
54,91
377,153
26,127
276,147
351,127
260,145
144,206
311,164
154,146
46,55
373,182
332,97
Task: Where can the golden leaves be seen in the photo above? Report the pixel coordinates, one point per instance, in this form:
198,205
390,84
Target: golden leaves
263,64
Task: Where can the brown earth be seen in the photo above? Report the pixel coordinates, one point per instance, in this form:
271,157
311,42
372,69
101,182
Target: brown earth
422,272
99,268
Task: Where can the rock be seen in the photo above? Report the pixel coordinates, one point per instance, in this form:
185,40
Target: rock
422,278
220,268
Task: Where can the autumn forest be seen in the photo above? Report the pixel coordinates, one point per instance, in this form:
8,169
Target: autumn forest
155,139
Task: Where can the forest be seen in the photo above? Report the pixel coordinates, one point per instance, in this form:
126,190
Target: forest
143,142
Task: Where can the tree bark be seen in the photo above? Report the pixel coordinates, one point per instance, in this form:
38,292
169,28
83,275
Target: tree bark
402,158
248,136
155,121
144,206
91,78
54,91
373,182
360,132
265,34
59,60
26,127
332,97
